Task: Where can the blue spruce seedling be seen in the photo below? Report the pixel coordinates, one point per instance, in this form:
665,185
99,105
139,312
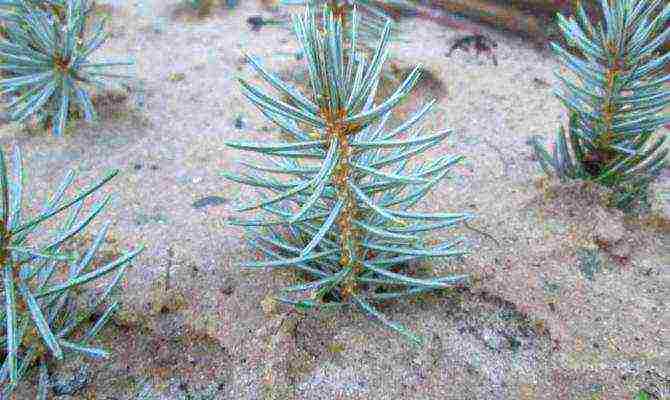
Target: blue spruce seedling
614,99
341,213
41,319
45,57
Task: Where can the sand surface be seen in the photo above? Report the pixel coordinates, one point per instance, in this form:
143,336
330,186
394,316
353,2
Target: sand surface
572,304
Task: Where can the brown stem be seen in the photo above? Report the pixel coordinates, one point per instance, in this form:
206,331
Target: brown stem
348,240
608,108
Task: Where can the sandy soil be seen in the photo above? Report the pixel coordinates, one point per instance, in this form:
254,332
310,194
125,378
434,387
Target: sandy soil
572,304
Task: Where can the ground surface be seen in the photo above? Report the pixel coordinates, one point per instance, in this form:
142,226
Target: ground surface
573,304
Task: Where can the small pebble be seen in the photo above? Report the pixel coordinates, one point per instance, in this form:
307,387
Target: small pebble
539,82
177,76
239,123
256,22
208,201
228,287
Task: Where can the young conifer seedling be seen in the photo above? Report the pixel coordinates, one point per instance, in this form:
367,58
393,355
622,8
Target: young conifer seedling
343,217
41,320
614,99
45,58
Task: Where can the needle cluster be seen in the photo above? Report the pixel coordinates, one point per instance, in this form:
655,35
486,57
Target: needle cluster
45,59
342,213
615,93
42,318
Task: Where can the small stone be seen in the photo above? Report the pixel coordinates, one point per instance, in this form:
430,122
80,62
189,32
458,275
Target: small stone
176,76
239,122
255,22
227,287
539,82
208,201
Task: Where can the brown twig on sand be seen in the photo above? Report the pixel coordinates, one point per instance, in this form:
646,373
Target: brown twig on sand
481,43
481,233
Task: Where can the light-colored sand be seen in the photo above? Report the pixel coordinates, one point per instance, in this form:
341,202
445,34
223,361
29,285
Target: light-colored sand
534,327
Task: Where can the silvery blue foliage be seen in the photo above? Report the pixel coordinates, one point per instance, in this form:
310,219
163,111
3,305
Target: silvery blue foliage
371,22
41,283
614,99
343,216
45,57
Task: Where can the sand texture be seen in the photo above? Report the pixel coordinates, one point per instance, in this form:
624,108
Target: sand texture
570,303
